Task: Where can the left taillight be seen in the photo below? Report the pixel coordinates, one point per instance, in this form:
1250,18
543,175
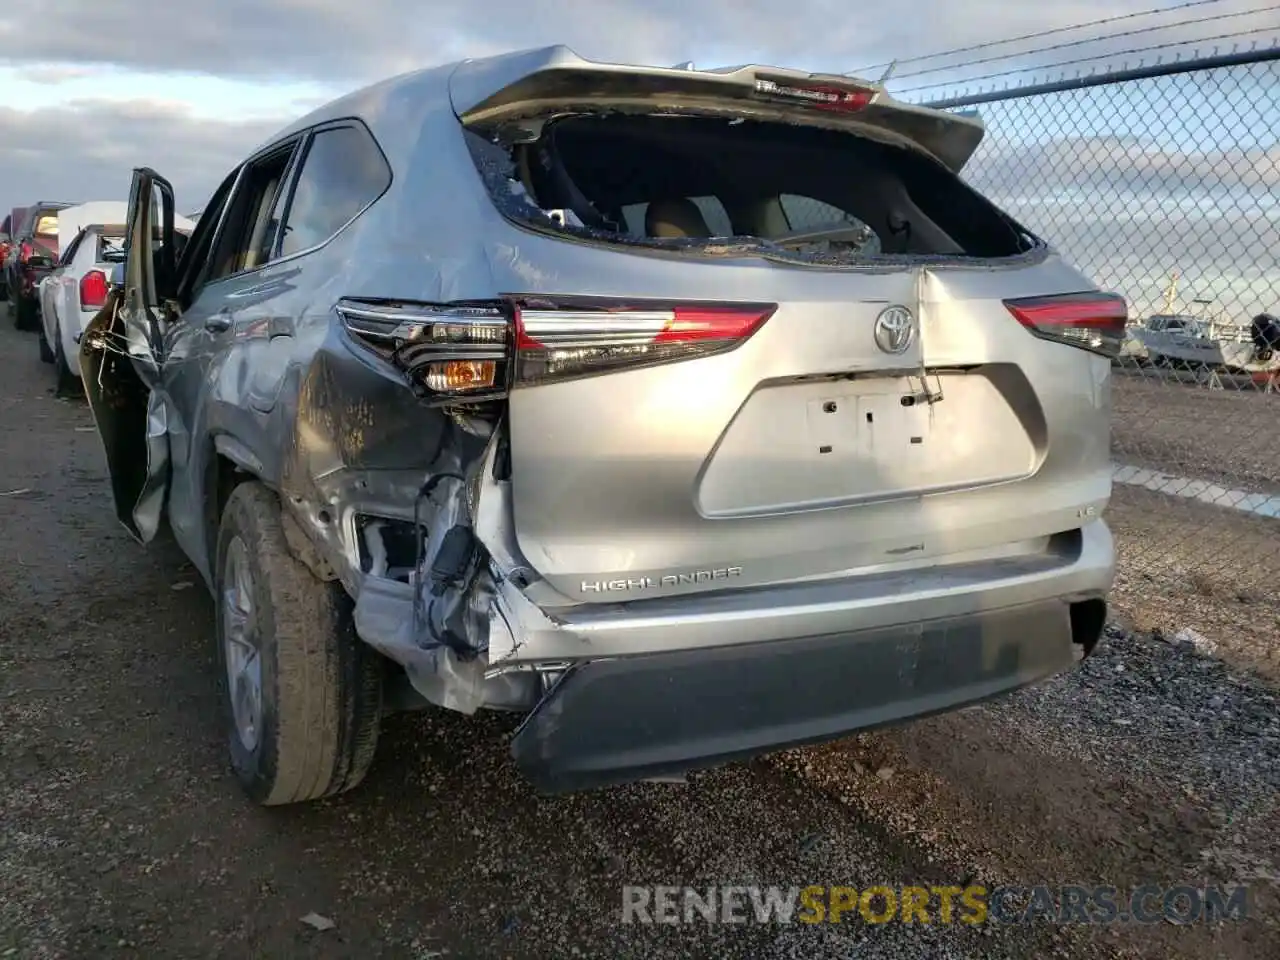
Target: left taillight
460,352
451,351
1090,321
93,290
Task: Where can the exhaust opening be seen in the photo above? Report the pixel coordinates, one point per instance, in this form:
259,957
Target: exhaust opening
1088,619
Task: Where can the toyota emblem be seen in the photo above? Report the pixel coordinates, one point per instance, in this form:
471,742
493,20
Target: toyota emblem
895,329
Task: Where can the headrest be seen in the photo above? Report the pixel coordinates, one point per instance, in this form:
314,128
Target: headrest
676,218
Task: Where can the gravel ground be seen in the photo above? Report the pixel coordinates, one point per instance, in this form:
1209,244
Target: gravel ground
121,834
1170,423
1182,564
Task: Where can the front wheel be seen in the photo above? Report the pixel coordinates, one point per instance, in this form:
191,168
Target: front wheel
303,694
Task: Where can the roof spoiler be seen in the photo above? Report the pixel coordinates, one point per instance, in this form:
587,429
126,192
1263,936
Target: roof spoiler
494,91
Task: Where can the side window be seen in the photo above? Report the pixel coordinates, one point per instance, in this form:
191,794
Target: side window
342,172
806,213
248,234
197,256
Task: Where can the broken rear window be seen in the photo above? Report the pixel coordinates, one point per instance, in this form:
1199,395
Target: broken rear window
729,187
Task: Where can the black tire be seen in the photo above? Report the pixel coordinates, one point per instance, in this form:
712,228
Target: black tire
46,351
321,686
24,313
68,384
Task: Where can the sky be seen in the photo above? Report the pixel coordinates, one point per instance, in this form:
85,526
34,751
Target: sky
1139,180
93,88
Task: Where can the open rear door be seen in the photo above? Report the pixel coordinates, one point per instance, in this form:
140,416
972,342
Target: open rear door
120,357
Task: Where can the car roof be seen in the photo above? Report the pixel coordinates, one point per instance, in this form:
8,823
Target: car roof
385,105
72,219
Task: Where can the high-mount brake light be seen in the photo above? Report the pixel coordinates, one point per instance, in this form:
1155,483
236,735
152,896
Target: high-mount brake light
819,95
470,352
1091,321
93,290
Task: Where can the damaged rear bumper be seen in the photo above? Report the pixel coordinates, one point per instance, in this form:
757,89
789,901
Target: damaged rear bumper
614,721
620,692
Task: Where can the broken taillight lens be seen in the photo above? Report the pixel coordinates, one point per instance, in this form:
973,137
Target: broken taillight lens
470,352
93,290
1091,321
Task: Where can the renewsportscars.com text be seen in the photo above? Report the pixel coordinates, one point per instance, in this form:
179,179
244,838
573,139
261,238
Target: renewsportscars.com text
970,905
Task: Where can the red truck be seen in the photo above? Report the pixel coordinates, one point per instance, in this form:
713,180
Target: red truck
12,221
33,251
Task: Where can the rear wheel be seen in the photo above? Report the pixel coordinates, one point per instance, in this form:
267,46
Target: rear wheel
46,351
303,694
24,312
69,384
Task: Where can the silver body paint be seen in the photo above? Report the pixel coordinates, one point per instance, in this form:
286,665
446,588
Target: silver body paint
666,508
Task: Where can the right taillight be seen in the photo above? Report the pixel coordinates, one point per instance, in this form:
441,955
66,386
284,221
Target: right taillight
24,253
469,352
93,290
1091,321
558,343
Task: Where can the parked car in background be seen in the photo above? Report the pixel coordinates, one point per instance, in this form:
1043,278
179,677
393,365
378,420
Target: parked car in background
14,221
707,413
33,254
6,231
76,289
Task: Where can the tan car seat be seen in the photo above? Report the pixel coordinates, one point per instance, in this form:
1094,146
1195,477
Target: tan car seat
677,218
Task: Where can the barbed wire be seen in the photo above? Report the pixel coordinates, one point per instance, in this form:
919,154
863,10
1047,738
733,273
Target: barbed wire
1035,36
1079,60
1093,40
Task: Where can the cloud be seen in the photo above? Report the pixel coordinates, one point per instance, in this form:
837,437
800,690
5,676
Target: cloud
343,41
87,150
1128,163
1124,172
1129,214
54,74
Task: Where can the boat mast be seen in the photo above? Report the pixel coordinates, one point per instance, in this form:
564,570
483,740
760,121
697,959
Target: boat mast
1171,292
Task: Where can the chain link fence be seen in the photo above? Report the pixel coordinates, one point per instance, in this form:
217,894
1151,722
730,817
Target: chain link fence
1163,184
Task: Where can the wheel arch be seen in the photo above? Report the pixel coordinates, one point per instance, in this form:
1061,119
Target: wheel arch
231,464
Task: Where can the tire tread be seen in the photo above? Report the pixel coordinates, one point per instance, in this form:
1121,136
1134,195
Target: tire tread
328,695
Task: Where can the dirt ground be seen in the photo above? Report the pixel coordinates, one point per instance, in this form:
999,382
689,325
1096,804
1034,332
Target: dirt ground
122,833
1166,421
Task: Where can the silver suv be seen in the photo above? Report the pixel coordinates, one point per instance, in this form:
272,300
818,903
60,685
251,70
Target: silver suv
693,414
